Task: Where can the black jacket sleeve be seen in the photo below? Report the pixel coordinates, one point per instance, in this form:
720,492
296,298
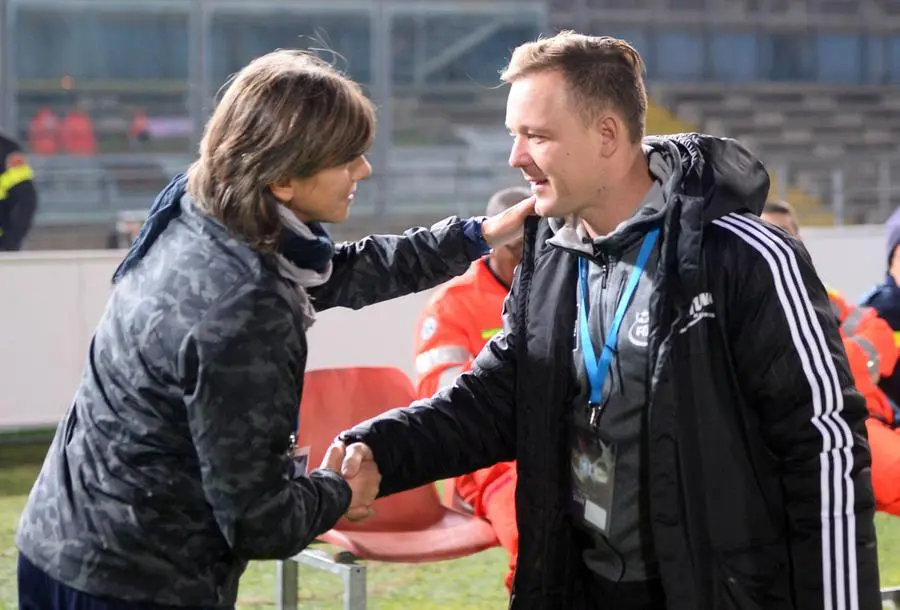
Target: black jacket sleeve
464,427
16,185
241,366
382,267
793,368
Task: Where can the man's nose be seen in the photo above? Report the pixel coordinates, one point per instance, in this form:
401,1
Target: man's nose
518,156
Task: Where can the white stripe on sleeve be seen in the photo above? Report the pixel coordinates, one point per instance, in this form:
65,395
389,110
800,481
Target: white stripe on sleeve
838,519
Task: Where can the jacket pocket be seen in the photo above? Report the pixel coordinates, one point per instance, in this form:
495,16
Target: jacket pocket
754,578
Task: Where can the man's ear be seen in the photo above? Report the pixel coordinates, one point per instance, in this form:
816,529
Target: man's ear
609,129
282,190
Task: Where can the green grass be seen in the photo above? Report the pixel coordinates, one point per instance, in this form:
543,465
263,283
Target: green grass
475,582
472,583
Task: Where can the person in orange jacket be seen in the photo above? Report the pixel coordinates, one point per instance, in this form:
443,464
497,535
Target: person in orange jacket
460,318
872,353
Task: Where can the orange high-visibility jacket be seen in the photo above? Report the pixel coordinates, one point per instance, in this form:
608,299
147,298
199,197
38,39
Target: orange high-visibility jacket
871,349
460,318
872,353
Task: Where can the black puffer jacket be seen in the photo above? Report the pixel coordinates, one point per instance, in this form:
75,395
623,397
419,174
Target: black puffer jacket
759,480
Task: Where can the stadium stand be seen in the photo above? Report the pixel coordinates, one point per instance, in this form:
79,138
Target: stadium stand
805,83
808,129
699,112
817,100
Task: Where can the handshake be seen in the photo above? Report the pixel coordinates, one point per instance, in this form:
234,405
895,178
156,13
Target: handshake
357,465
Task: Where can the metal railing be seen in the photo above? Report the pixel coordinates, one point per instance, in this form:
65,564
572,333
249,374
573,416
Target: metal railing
353,577
440,181
890,598
100,192
856,190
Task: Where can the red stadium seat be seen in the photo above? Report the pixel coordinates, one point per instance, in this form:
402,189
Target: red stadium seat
411,526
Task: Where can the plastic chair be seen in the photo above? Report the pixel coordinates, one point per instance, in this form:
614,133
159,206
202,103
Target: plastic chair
408,527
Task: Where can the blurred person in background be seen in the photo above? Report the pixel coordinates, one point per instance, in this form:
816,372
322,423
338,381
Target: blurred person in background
872,354
670,378
18,195
782,214
459,319
175,463
885,299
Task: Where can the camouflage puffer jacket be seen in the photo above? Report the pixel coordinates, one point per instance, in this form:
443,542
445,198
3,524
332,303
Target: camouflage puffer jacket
167,473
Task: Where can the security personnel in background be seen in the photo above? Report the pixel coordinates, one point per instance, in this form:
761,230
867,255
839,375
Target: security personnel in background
872,354
18,196
461,316
885,298
868,339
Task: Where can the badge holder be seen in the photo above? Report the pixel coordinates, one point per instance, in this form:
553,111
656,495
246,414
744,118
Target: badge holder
593,462
593,465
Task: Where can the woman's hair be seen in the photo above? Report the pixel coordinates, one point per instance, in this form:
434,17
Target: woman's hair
287,114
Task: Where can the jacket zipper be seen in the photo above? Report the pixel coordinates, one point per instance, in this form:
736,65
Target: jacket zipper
604,270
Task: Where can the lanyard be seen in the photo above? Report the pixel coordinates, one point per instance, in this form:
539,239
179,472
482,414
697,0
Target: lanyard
597,371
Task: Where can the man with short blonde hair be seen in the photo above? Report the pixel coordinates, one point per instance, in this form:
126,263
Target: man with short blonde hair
601,72
670,378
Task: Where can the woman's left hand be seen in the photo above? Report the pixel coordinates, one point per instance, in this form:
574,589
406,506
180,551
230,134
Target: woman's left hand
507,226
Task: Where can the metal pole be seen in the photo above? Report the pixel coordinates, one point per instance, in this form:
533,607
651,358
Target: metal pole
382,85
838,197
781,176
5,44
11,116
207,78
8,67
286,582
198,83
884,188
583,12
545,25
419,50
355,594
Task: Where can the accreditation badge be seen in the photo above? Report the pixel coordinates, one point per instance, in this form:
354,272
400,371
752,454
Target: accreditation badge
593,466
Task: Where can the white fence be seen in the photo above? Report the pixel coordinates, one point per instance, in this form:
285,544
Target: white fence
51,302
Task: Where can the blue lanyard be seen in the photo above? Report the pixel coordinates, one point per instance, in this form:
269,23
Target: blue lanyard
597,371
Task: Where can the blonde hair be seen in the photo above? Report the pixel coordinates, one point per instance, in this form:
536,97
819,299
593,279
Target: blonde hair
287,114
602,73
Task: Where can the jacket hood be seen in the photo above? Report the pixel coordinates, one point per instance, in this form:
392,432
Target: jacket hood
721,171
720,174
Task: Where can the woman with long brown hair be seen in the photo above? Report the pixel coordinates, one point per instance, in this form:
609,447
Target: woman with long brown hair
172,467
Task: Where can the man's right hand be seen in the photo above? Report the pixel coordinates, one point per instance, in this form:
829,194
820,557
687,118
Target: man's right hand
359,469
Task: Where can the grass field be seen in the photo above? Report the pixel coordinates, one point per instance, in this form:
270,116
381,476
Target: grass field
472,583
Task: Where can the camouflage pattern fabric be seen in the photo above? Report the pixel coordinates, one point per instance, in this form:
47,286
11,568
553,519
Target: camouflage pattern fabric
168,472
